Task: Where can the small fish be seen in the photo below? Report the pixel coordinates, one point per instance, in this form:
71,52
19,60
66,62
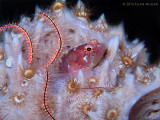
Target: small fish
84,57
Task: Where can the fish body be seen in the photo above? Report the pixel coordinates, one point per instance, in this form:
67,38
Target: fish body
84,57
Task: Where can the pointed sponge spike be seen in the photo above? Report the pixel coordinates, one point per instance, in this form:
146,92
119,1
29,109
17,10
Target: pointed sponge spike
113,46
104,77
80,4
80,10
80,75
37,9
101,24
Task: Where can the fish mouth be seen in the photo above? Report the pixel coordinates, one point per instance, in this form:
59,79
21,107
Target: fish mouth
101,50
100,53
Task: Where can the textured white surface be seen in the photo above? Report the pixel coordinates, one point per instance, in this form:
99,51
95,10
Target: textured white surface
120,91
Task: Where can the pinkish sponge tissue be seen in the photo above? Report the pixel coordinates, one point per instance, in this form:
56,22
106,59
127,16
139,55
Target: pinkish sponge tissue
62,66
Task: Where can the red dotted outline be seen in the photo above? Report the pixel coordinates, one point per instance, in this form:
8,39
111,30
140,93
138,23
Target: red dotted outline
50,61
44,96
58,36
26,36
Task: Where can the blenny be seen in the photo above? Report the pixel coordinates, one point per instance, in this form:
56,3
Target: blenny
84,57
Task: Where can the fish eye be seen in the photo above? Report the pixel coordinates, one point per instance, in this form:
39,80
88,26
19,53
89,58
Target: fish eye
88,49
